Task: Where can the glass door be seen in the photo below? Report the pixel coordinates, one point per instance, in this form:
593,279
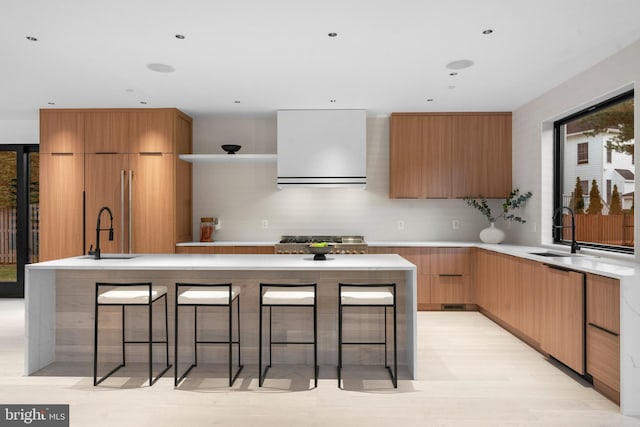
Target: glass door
19,208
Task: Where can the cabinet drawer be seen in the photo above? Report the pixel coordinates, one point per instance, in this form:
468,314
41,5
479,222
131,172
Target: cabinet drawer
603,302
450,289
603,356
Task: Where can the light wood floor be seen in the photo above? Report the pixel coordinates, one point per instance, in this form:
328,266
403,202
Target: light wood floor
471,373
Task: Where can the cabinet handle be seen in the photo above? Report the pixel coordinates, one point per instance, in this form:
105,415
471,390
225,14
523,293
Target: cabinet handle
106,152
450,275
151,153
130,212
603,329
62,154
122,174
555,267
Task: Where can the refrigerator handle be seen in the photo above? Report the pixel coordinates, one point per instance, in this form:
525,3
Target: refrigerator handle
122,178
130,212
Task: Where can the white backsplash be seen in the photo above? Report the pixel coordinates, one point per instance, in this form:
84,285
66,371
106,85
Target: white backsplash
242,195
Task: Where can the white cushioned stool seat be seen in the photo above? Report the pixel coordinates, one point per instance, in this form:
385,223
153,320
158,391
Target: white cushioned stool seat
131,295
207,296
364,296
284,296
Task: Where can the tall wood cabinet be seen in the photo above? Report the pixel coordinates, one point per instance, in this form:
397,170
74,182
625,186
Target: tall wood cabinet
61,184
450,155
130,164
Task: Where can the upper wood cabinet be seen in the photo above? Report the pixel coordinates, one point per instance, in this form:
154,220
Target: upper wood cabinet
420,156
107,131
61,131
450,155
152,131
482,155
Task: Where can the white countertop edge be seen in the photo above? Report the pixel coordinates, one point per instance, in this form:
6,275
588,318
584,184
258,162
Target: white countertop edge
224,262
424,244
227,243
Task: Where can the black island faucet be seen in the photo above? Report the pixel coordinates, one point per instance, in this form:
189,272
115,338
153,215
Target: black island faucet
96,252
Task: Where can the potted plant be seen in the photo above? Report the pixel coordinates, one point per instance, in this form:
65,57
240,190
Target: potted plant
513,201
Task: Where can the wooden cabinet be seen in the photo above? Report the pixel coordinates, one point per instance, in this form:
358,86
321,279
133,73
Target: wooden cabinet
420,156
61,131
61,207
225,249
529,292
450,155
603,334
563,317
421,258
153,206
451,276
131,165
106,185
107,131
152,131
482,155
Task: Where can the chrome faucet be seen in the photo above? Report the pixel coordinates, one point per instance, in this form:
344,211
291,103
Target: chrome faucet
574,244
96,252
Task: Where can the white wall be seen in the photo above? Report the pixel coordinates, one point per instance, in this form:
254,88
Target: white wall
242,195
19,132
533,134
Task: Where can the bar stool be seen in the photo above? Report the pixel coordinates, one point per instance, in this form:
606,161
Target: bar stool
131,294
288,295
369,295
207,295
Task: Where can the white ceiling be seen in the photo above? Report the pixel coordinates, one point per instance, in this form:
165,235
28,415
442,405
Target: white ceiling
276,54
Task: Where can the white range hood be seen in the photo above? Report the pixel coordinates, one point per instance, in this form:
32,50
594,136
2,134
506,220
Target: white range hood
322,148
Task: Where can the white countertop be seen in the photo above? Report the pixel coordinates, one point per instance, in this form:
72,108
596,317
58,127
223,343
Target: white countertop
228,243
229,262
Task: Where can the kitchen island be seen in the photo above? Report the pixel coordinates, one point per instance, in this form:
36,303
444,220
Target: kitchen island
59,301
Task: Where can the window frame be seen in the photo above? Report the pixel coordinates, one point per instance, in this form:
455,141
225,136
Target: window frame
558,162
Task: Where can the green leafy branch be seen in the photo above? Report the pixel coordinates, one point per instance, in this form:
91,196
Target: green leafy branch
514,201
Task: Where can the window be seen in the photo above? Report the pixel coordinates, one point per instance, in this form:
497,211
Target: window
583,153
604,217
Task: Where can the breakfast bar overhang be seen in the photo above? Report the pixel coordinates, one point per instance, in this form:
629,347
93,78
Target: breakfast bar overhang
59,296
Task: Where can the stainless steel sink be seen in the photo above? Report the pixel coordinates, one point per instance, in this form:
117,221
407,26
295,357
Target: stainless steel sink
554,254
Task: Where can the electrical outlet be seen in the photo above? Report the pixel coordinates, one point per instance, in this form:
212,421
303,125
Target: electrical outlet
534,227
455,224
400,225
218,224
265,224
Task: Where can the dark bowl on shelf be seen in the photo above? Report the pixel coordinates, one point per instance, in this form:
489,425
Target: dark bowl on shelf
231,148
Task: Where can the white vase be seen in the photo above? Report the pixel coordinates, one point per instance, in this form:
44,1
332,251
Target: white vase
492,234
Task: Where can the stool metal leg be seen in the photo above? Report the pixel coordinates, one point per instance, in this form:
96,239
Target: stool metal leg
339,338
260,377
316,368
175,349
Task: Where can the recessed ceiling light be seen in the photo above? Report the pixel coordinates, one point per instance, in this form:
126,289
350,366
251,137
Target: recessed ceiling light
460,64
452,87
453,73
333,34
161,68
180,36
51,103
31,38
143,102
236,102
487,31
129,90
332,100
429,99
